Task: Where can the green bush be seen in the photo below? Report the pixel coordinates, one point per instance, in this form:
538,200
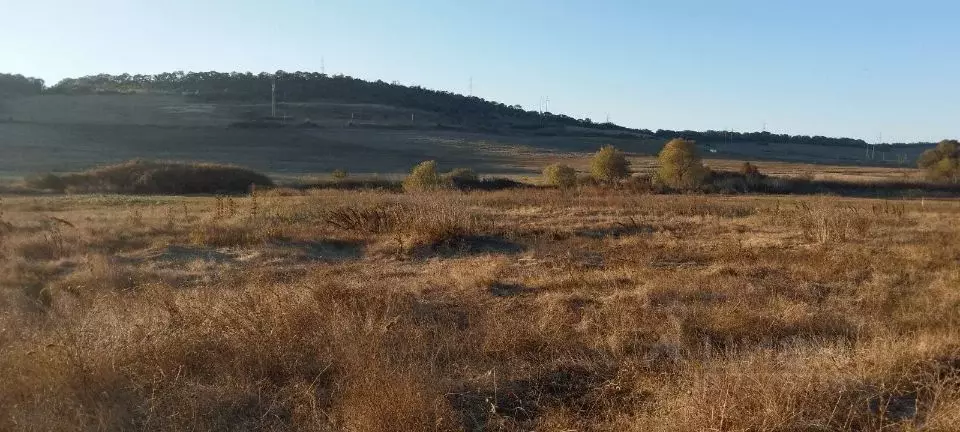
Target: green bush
943,162
424,177
609,165
560,175
680,165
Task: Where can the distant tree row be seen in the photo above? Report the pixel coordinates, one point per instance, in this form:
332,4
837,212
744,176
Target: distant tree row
712,136
19,85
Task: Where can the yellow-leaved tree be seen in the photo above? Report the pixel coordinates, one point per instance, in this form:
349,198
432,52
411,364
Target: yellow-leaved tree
680,165
609,165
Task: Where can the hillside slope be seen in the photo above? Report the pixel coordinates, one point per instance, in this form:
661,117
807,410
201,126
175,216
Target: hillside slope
81,123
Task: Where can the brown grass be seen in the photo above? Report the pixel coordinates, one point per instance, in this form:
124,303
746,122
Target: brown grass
529,309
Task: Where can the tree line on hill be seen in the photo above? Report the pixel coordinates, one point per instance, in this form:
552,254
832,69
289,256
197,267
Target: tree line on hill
19,85
312,86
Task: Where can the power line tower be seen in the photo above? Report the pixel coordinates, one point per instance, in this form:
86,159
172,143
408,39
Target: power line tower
273,97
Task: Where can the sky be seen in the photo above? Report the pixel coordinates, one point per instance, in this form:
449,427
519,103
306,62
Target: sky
876,70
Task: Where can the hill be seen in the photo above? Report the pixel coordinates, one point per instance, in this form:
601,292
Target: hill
326,122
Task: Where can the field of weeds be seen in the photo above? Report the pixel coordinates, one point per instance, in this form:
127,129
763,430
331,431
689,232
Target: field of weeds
527,309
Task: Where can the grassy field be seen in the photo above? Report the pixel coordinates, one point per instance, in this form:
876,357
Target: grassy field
532,309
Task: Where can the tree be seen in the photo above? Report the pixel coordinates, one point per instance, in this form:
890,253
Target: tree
680,165
942,163
750,171
423,177
560,175
339,175
609,165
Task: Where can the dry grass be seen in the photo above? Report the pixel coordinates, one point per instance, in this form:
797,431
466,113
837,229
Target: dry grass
529,309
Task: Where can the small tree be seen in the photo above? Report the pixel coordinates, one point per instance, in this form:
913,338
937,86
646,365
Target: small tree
680,165
423,177
749,170
943,162
560,175
609,165
339,175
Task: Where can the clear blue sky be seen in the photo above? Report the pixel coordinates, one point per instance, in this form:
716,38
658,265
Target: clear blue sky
836,68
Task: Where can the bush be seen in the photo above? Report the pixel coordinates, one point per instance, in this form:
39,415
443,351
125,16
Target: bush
152,177
50,182
560,175
943,162
424,177
462,176
339,175
749,170
609,165
680,165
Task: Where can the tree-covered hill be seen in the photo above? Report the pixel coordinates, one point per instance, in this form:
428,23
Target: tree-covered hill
457,109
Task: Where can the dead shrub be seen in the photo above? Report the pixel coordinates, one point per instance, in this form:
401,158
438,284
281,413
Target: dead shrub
819,223
370,219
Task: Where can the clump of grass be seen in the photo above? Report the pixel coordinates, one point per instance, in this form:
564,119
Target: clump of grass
153,177
441,225
366,219
822,223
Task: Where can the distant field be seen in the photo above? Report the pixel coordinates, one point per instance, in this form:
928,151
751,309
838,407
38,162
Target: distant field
72,133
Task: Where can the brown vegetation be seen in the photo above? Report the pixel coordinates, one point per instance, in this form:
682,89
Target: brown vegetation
943,162
509,310
154,177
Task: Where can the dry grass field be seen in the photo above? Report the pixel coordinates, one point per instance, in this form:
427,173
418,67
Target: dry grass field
528,309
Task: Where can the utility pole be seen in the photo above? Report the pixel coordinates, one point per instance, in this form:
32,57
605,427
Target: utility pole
273,97
471,86
323,67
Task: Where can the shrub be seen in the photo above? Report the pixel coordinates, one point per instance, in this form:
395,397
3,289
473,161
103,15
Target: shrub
462,177
423,177
50,182
680,165
943,162
339,175
560,175
749,170
609,165
152,177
